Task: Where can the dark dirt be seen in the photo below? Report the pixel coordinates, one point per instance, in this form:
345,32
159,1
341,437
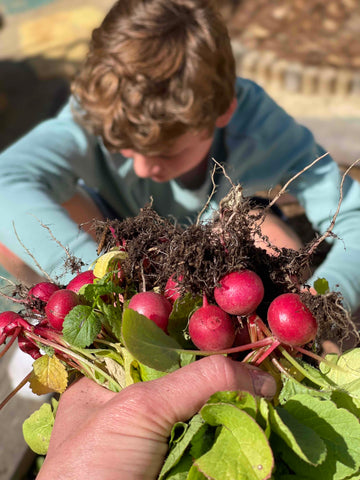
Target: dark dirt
312,32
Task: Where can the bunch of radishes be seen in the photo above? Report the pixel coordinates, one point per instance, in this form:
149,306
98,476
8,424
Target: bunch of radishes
224,325
239,294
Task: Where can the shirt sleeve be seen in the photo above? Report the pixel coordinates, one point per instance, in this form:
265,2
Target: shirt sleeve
268,147
37,174
322,192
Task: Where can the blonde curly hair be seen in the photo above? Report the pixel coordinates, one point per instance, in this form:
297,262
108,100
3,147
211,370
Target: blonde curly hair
155,70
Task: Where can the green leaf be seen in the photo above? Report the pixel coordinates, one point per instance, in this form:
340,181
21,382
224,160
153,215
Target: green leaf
147,373
148,343
194,474
241,440
290,388
347,377
111,318
81,326
93,291
130,365
202,441
349,363
186,359
301,439
180,446
339,430
177,432
344,399
181,470
243,400
179,318
321,286
38,427
263,417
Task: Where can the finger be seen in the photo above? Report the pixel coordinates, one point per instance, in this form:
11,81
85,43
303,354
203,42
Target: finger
179,395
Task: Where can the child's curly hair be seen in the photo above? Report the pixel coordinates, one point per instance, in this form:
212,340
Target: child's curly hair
155,70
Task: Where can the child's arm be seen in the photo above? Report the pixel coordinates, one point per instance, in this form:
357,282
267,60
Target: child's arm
38,174
319,193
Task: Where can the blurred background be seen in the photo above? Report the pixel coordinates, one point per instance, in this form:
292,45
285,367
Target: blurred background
305,53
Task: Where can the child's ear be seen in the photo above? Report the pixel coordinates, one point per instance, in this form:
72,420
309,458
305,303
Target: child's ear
224,119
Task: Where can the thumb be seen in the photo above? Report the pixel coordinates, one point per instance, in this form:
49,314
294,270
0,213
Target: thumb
179,395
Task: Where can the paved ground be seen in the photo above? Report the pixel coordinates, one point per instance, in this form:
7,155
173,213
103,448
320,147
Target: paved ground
42,42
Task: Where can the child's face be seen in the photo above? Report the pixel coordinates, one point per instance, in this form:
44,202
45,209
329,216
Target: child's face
188,152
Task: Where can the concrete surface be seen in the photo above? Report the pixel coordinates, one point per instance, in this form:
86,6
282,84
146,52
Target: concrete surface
15,457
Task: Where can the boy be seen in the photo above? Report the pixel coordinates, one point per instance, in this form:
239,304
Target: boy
156,99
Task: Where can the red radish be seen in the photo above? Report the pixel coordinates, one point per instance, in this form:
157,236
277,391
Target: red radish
210,328
28,347
153,306
83,278
291,321
43,291
9,322
59,305
239,293
171,291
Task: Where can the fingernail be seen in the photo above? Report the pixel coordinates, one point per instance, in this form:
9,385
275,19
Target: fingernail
264,384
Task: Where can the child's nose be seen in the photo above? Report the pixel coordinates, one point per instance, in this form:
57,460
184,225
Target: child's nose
144,166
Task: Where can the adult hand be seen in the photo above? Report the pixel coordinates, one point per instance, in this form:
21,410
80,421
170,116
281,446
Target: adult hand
112,436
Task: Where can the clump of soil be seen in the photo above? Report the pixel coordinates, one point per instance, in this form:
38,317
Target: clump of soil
199,255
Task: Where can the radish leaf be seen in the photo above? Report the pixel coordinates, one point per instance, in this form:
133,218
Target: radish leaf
301,439
38,427
243,441
339,430
321,286
49,375
179,318
111,318
148,343
180,446
81,326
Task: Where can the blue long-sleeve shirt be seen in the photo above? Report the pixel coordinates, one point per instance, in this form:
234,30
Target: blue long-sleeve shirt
261,147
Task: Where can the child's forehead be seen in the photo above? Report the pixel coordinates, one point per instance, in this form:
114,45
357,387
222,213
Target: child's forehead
171,147
186,141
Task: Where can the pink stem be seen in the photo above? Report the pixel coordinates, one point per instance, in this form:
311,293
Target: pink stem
257,320
112,230
16,389
308,353
49,334
255,332
205,301
267,352
240,348
8,345
253,355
